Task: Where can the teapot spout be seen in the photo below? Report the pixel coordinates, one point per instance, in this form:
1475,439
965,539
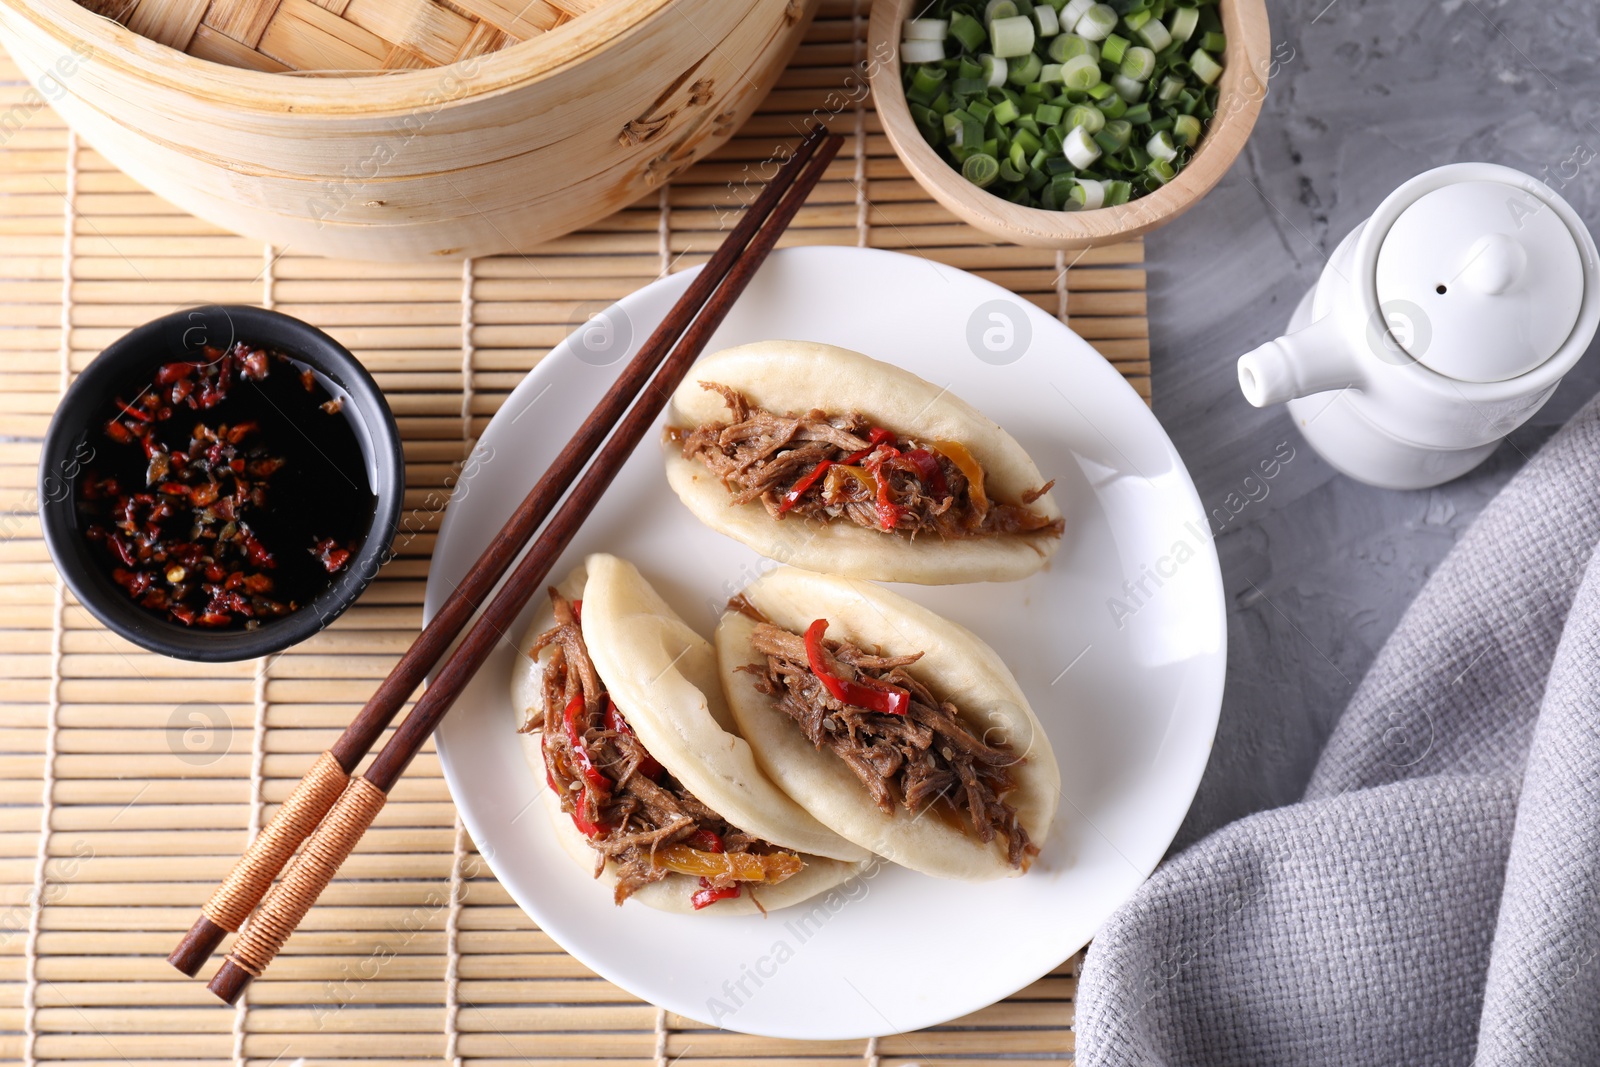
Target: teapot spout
1313,360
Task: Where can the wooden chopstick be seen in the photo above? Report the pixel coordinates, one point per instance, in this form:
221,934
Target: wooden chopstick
305,879
311,800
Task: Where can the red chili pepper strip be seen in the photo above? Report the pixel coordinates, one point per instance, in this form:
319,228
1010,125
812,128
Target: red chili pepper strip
890,699
810,478
617,724
888,511
580,752
877,435
707,841
577,612
929,471
581,821
709,894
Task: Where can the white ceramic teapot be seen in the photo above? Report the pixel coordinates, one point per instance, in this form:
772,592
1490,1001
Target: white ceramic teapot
1440,325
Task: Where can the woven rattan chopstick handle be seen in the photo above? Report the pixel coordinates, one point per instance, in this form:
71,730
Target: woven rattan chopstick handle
301,885
252,875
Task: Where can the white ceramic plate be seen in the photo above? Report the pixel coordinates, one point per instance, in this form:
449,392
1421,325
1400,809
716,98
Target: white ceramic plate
1129,695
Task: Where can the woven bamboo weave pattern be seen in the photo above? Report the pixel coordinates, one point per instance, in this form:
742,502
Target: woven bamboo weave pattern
147,775
340,35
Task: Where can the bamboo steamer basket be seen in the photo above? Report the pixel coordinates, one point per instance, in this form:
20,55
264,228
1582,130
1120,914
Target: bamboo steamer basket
588,107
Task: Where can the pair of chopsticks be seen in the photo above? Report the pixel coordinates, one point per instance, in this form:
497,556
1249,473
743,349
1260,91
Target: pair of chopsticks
330,810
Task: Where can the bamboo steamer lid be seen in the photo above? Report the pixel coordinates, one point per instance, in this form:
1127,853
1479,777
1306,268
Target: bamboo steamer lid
344,36
484,126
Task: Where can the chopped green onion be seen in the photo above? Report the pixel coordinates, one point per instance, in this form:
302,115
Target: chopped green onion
1089,194
1080,72
1024,71
1069,46
1185,20
1205,68
1138,64
1155,34
1011,37
1127,88
1097,22
1080,149
1090,118
1115,135
994,70
1074,11
1102,105
981,170
966,29
1186,130
926,83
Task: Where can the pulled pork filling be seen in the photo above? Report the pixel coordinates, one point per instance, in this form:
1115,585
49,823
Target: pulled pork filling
832,466
922,757
632,811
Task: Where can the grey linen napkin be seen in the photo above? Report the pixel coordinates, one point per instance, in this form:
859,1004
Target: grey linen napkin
1435,897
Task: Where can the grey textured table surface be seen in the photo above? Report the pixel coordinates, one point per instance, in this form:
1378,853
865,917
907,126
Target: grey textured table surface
1319,569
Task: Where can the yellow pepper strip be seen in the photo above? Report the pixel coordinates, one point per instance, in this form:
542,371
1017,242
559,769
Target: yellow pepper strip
833,488
957,453
729,866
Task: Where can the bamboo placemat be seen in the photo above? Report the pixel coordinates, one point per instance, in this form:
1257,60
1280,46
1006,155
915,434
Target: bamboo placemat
129,783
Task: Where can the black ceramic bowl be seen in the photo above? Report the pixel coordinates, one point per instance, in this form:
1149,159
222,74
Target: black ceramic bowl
134,359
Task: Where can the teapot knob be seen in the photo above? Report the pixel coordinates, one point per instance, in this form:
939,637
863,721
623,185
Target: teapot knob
1495,264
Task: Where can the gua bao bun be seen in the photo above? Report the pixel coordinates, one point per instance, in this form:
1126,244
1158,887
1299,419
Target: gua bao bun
998,524
662,678
958,690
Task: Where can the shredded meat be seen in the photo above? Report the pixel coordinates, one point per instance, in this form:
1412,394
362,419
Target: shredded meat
875,479
926,757
642,809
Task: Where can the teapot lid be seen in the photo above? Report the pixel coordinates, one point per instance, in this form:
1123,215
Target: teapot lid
1480,281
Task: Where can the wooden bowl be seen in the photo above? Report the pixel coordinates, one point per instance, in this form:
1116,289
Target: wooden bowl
492,152
1243,86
